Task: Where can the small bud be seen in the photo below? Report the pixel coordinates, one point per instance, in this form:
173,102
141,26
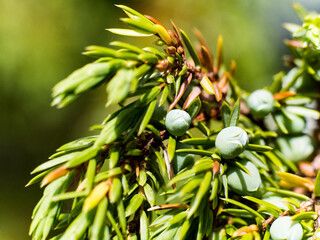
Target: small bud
231,141
162,65
177,122
180,50
260,103
171,49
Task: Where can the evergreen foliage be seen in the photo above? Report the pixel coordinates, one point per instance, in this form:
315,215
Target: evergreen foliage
188,154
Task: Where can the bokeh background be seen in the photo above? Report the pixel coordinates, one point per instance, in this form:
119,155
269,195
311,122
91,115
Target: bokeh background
41,43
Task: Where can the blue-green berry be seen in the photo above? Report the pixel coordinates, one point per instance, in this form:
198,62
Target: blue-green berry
284,228
177,122
231,141
292,122
296,148
260,103
240,181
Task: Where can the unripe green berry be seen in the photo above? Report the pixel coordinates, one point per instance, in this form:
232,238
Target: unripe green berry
260,103
177,122
241,182
292,122
296,148
231,141
283,228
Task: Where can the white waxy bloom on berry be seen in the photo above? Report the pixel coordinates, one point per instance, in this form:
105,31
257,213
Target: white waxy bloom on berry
231,141
177,122
285,228
260,103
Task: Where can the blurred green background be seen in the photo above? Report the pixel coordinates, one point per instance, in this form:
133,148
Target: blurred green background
41,43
